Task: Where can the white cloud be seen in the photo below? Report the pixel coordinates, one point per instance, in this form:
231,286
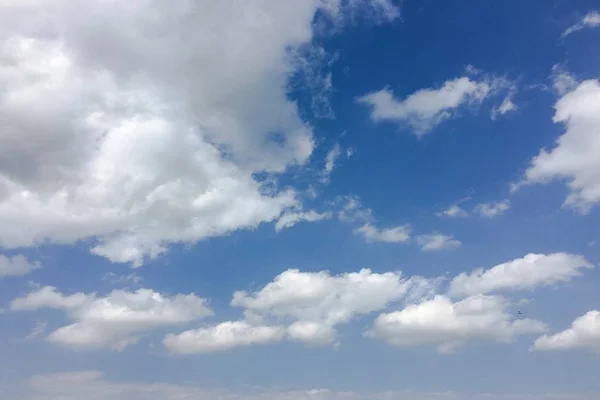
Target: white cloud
130,279
589,21
37,330
316,302
291,218
49,297
426,108
114,321
491,210
584,334
504,108
142,124
437,241
447,325
312,333
525,273
330,160
353,210
562,81
454,211
371,233
17,265
92,385
574,159
222,337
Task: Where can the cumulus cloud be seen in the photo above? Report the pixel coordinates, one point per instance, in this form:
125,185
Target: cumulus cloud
527,273
437,241
448,325
312,333
18,265
589,21
574,159
222,337
426,108
116,320
144,124
316,302
584,334
491,210
371,233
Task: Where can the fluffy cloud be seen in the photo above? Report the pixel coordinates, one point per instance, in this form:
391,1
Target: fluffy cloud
371,233
426,108
491,210
589,21
525,273
584,334
114,321
437,241
447,325
312,333
316,301
574,159
143,124
222,337
17,265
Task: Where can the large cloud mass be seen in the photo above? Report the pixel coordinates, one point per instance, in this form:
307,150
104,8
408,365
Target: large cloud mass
142,123
574,159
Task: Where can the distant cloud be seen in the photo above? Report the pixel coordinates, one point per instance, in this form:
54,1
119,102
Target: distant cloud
94,385
525,273
426,108
352,210
584,334
589,21
37,330
504,108
371,233
291,218
449,325
437,242
18,265
562,81
113,321
454,211
222,337
491,210
133,279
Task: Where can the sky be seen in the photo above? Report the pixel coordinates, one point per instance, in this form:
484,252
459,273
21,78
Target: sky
293,200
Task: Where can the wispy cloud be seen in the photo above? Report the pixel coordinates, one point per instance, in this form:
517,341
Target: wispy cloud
589,21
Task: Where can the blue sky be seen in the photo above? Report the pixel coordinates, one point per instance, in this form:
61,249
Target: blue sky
299,200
